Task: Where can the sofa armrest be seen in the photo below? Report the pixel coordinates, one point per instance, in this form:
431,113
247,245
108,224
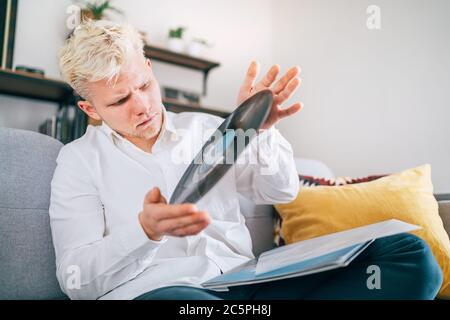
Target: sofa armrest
444,210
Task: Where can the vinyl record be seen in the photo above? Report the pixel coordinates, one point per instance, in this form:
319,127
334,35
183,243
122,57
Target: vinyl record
222,149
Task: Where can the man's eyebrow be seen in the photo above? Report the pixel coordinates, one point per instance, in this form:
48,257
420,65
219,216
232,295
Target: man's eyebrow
146,80
125,98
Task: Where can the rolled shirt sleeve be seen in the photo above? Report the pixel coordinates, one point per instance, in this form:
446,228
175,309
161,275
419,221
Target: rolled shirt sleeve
266,171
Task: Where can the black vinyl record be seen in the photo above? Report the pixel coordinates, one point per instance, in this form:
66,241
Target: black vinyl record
222,149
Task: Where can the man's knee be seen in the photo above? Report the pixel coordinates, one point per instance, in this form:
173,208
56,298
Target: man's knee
429,273
414,258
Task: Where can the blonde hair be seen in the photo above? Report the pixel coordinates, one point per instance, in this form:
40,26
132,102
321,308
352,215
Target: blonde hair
97,50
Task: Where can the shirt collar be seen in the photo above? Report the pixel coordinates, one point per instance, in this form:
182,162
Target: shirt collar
166,127
167,124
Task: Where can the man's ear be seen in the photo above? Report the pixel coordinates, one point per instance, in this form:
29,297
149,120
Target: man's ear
89,109
149,63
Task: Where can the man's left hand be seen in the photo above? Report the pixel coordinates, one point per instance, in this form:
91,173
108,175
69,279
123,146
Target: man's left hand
282,90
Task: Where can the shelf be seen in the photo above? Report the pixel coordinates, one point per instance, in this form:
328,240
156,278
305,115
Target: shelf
443,197
182,60
177,107
28,85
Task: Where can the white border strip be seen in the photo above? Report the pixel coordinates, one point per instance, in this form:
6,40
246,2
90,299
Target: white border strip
6,35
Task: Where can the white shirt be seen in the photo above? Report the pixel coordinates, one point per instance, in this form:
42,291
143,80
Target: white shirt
98,190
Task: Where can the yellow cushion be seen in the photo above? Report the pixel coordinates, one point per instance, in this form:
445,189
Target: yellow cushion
407,196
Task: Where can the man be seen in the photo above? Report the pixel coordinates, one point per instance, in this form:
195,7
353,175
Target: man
116,237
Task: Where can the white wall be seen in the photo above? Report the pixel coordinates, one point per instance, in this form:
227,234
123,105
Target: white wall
375,101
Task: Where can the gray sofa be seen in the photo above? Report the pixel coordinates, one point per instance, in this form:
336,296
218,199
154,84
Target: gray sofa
27,261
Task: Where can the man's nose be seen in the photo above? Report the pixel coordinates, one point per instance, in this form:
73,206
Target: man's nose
139,104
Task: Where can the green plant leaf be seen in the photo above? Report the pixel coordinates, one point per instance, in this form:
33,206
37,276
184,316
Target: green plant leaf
98,9
177,33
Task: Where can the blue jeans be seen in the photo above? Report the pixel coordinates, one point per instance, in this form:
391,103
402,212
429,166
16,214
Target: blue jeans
408,270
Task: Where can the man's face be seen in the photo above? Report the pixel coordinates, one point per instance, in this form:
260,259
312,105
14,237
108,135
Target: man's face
132,107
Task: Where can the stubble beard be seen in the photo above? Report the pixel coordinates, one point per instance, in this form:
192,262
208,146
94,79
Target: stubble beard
150,132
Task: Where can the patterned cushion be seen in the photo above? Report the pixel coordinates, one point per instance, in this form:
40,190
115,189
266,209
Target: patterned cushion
310,181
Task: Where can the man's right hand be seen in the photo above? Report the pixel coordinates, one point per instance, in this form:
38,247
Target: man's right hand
179,220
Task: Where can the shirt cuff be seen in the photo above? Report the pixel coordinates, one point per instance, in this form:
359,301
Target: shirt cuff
135,242
274,152
267,146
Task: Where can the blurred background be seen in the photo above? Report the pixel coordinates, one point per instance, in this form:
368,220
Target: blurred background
376,74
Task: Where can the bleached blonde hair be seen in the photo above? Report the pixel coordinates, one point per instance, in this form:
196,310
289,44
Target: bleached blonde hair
97,50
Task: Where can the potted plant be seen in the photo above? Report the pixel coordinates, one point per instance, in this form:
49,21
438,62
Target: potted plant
176,42
197,47
97,10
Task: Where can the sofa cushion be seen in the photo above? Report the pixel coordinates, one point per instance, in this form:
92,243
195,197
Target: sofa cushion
406,196
308,181
27,260
313,181
260,220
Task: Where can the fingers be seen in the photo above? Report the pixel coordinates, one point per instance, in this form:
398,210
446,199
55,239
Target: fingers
154,196
283,82
190,229
158,218
253,71
161,212
180,226
296,107
249,81
289,90
269,78
249,87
